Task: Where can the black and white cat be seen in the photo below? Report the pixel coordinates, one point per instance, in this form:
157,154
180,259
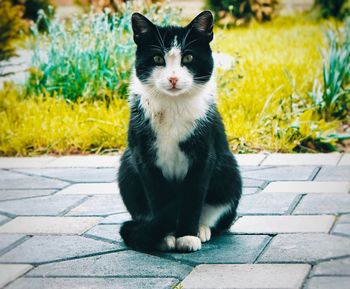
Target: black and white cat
178,178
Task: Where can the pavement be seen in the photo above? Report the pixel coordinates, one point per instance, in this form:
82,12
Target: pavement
60,217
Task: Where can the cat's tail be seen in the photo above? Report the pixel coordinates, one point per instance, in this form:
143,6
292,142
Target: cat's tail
146,235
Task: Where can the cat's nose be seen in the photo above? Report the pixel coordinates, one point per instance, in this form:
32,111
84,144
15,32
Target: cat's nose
173,80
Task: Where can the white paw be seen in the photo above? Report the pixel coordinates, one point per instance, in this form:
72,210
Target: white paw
188,244
204,233
168,243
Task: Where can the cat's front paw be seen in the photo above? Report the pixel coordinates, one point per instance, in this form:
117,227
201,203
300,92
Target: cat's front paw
188,244
204,233
168,243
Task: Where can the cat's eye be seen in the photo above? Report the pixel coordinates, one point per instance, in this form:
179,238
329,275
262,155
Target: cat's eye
158,59
187,58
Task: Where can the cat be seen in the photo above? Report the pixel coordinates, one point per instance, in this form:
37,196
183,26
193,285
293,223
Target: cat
177,178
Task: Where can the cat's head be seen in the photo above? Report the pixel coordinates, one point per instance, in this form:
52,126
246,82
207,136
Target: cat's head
173,60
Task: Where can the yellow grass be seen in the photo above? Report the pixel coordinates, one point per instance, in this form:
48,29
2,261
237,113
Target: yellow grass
254,98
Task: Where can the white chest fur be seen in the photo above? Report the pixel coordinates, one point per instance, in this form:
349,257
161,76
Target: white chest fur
173,119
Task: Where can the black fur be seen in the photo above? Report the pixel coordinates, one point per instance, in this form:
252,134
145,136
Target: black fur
160,206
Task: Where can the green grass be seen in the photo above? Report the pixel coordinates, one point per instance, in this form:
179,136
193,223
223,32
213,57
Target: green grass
264,101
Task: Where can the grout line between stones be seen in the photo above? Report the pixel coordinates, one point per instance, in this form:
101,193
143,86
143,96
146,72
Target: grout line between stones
264,249
76,204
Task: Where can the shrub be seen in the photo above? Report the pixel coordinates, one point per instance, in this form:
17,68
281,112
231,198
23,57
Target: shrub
90,57
331,98
240,11
334,8
11,28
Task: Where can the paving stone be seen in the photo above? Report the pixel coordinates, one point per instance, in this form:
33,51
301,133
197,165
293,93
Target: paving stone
282,224
324,204
9,272
116,219
77,175
287,173
9,240
345,160
6,195
250,191
91,161
120,264
340,173
247,182
320,159
226,249
249,159
244,276
3,219
91,189
49,206
308,187
268,203
12,180
49,225
31,162
109,233
328,282
289,248
99,206
40,249
344,218
339,267
93,283
342,229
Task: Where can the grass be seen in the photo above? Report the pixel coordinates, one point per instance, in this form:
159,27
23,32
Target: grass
264,100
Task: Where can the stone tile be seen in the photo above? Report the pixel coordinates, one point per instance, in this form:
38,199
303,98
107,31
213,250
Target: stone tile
289,248
91,189
282,224
226,249
90,161
324,204
3,219
40,249
124,263
77,175
249,159
344,219
340,173
339,267
116,219
247,182
286,173
268,203
7,241
109,233
99,206
31,162
328,282
244,276
6,195
320,159
49,206
12,180
342,229
93,283
49,225
308,187
9,272
345,160
250,191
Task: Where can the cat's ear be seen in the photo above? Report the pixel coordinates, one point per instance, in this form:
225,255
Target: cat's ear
203,24
141,26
